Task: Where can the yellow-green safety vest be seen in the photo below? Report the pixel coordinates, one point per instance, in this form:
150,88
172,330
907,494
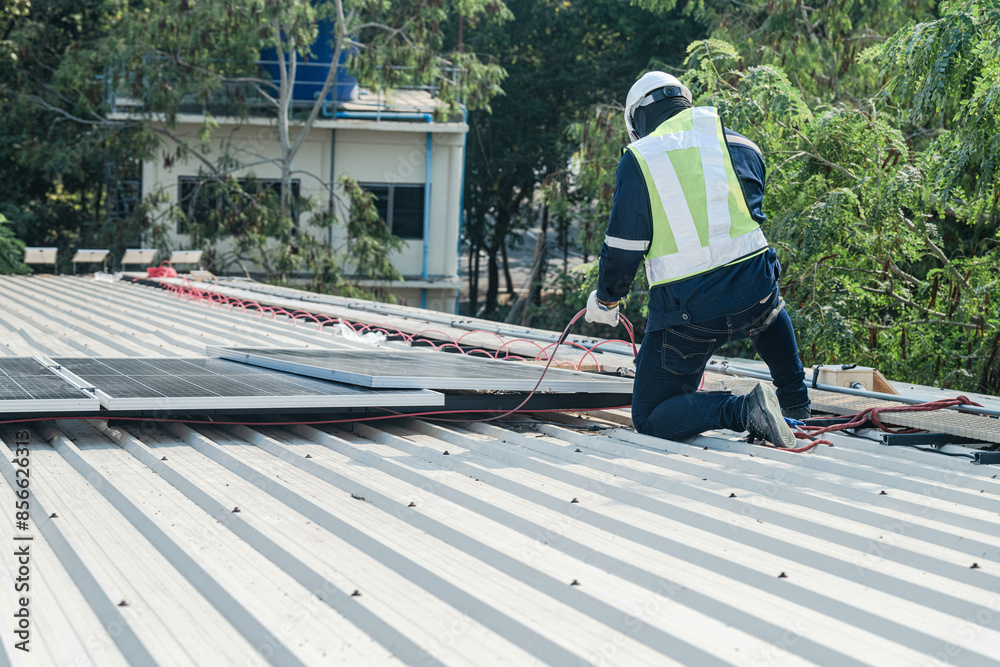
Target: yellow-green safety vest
700,217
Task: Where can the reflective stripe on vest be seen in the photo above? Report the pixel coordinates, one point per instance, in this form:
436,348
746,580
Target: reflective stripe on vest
700,216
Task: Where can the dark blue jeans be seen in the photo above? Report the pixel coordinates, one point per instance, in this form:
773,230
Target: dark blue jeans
666,402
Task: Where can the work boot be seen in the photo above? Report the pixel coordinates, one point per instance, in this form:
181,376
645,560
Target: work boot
763,419
799,413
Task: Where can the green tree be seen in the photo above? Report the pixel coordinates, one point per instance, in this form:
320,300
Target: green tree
55,144
10,249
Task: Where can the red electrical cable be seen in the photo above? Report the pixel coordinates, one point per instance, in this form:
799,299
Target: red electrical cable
187,290
318,422
559,342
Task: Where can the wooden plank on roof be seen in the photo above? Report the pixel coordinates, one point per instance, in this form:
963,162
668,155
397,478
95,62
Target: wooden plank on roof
976,427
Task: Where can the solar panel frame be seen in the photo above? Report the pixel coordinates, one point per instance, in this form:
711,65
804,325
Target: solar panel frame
494,375
200,383
31,385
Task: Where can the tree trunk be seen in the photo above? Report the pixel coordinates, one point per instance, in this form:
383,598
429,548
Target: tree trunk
493,272
537,280
506,268
473,278
564,239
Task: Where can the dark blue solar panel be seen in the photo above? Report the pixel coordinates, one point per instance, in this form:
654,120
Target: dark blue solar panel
164,382
25,379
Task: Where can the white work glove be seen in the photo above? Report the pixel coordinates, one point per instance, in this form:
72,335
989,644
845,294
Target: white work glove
598,312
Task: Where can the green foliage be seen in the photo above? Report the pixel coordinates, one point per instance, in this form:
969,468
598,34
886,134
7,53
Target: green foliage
945,74
815,43
11,249
55,144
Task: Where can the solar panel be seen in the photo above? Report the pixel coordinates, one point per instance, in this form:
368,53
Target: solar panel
384,368
40,255
28,385
139,256
217,384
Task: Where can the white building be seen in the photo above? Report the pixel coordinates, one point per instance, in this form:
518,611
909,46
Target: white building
414,166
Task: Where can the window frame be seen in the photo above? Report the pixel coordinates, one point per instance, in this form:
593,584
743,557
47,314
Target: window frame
391,205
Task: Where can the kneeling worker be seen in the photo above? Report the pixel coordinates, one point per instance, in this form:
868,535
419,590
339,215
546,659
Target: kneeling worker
687,199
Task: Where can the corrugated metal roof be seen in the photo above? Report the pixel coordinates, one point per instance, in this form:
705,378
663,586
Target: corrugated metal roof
672,554
63,316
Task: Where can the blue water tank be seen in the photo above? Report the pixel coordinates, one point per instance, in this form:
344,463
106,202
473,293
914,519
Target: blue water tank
312,72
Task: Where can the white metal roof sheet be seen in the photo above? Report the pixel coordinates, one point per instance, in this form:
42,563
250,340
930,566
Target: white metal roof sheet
671,554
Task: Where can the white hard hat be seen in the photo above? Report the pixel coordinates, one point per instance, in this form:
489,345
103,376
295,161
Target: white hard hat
642,91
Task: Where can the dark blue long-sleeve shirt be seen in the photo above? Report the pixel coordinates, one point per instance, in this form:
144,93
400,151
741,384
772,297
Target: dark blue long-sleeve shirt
727,289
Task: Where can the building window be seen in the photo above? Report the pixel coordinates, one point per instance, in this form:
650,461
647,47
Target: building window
213,201
401,207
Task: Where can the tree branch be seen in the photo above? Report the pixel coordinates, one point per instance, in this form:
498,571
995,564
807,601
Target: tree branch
331,76
904,300
964,325
913,281
937,252
815,155
76,119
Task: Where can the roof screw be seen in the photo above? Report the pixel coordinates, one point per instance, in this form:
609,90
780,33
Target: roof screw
356,594
123,604
412,505
308,456
164,458
574,583
974,566
705,447
574,501
580,451
446,452
732,495
53,516
883,493
235,510
782,576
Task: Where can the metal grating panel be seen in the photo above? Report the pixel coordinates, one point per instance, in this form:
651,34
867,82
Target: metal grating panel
28,385
216,384
381,367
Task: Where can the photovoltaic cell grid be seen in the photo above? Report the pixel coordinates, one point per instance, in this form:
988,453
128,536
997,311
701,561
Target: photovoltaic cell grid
28,385
216,384
383,368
